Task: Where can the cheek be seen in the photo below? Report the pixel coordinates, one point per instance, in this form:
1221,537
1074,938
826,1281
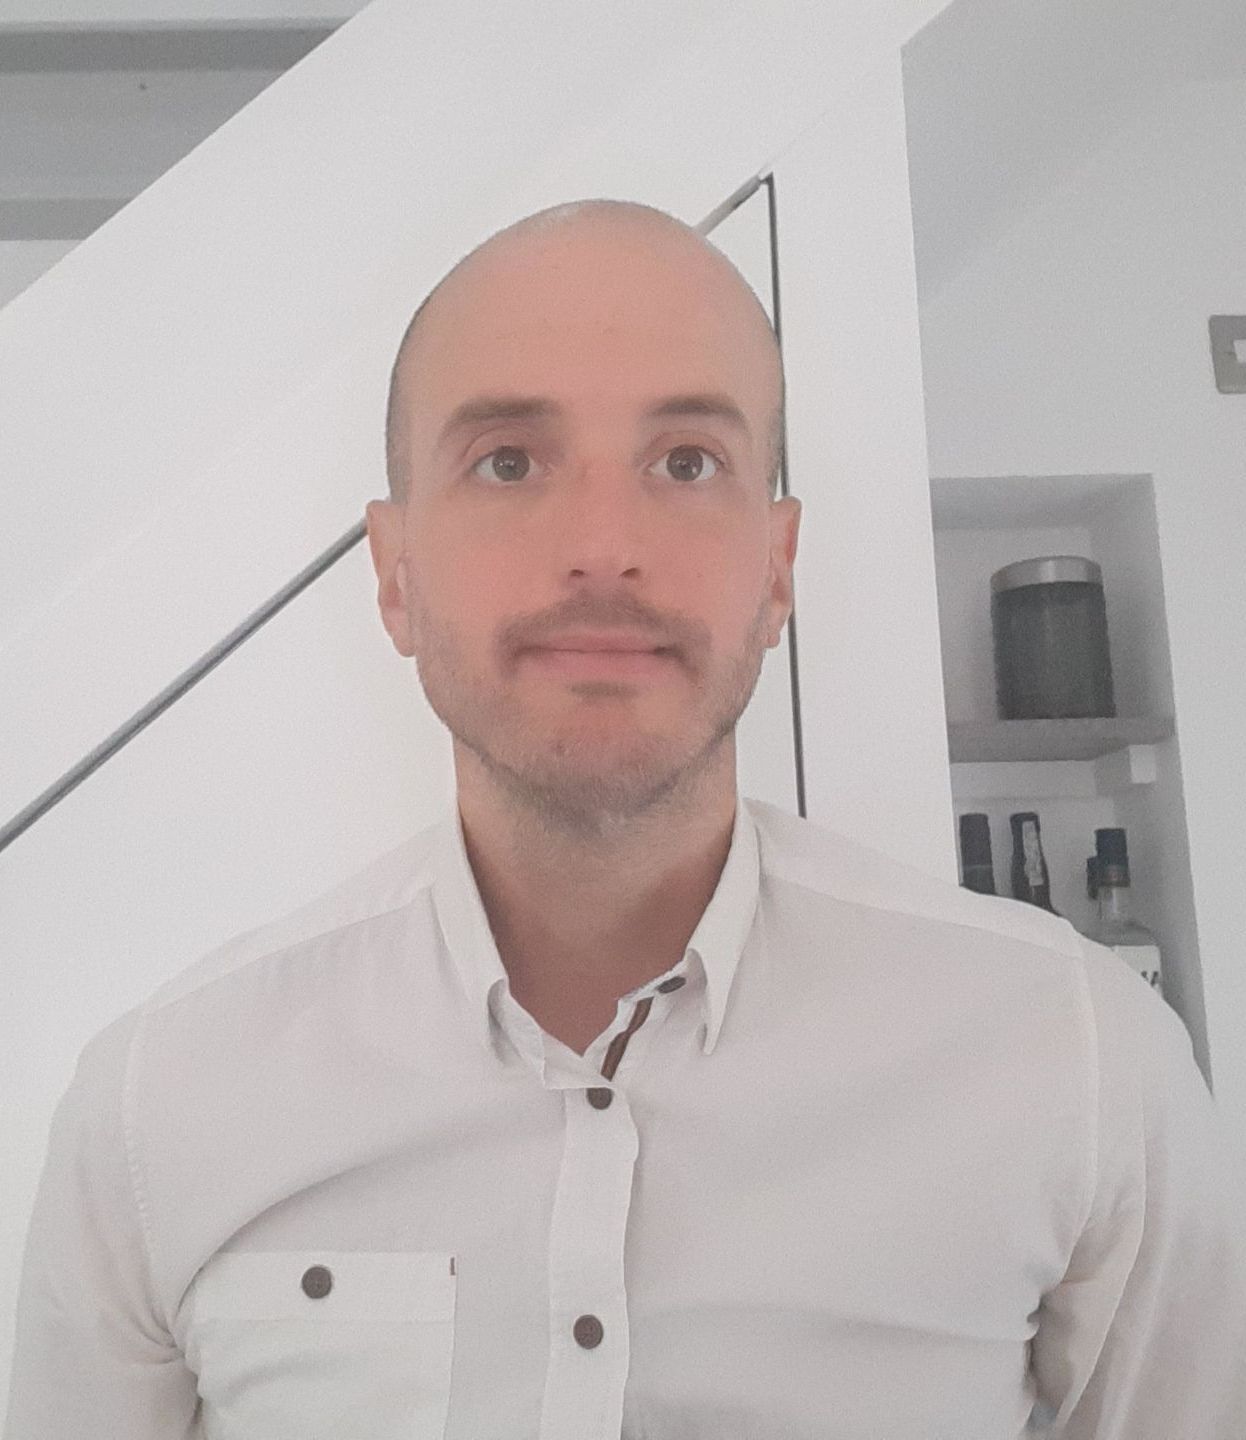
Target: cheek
470,590
722,582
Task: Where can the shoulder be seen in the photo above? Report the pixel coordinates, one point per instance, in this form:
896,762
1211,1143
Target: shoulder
387,883
823,861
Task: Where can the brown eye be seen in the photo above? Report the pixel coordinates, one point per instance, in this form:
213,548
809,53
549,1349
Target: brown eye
687,462
507,462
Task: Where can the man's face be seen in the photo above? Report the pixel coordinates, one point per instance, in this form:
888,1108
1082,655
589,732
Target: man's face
596,515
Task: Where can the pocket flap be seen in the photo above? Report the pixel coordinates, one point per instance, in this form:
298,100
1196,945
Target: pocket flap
358,1286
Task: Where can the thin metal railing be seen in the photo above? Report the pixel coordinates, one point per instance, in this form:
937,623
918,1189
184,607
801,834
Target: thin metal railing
174,691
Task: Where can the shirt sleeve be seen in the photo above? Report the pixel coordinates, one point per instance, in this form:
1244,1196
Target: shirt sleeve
1145,1336
93,1356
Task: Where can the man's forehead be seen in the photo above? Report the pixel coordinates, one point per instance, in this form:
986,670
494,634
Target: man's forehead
533,317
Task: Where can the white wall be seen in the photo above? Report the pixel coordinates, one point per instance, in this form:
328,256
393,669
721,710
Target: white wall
1008,95
871,691
1075,341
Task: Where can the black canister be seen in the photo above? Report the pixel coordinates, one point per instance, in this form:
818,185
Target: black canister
975,854
1050,627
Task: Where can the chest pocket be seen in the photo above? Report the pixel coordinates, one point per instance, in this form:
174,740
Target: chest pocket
323,1345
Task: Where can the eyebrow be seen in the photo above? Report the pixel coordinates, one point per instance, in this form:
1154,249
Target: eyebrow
485,409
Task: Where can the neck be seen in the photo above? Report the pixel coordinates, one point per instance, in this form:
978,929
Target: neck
1113,902
595,915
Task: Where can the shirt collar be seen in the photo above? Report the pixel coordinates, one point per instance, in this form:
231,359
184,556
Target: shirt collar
716,943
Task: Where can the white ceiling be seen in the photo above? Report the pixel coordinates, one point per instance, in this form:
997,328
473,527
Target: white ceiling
91,114
177,14
1006,98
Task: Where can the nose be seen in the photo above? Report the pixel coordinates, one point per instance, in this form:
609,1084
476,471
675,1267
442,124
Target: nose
606,515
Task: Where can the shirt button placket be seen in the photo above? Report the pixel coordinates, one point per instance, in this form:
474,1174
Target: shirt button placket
585,1401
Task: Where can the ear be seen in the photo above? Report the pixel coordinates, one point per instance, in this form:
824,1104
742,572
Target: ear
784,531
386,535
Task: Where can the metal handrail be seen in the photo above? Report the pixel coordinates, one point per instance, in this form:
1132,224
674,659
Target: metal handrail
189,677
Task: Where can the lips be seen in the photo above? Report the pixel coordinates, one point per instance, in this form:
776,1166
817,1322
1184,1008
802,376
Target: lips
588,642
608,663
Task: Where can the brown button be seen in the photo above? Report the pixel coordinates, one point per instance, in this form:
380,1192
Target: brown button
317,1282
599,1097
673,983
588,1331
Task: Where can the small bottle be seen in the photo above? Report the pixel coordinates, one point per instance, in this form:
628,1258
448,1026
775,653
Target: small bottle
975,854
1114,927
1030,881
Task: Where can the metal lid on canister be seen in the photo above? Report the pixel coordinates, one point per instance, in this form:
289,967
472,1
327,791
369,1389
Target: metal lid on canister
1046,570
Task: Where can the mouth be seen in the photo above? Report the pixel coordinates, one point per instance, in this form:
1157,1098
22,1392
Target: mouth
634,664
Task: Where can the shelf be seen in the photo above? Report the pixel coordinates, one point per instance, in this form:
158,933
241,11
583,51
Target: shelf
991,741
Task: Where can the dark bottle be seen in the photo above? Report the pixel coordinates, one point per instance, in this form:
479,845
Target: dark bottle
1030,881
975,854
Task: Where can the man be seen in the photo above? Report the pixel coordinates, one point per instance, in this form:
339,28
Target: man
616,1104
597,786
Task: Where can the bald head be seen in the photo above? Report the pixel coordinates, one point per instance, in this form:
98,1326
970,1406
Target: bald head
526,253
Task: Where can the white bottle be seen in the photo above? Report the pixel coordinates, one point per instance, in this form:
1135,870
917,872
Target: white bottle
1114,926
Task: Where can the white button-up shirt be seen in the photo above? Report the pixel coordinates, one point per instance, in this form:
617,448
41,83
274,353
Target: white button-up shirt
875,1159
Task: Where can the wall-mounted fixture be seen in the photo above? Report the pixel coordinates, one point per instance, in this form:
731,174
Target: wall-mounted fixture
1228,352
